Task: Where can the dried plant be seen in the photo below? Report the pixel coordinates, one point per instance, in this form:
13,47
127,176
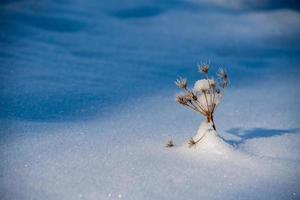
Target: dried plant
170,144
223,75
205,96
203,68
181,83
192,142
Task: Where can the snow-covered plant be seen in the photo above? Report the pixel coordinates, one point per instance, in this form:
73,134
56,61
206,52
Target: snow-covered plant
206,94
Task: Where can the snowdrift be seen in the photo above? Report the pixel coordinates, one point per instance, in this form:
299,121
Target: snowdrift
209,142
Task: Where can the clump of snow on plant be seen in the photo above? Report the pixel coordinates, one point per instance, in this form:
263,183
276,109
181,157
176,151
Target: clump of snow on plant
206,101
209,100
203,84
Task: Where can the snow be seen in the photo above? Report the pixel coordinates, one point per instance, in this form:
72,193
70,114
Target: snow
208,100
203,84
274,147
210,141
124,155
86,101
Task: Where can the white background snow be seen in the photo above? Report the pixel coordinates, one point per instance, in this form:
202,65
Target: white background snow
87,99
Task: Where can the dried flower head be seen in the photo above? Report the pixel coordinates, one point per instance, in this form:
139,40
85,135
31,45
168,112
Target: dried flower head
223,74
190,96
204,68
170,144
181,83
191,142
181,99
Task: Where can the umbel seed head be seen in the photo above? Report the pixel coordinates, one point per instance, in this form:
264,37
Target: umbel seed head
170,144
181,83
223,75
181,100
190,96
203,68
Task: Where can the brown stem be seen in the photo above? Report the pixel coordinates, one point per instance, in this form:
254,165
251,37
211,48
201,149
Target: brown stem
213,99
196,107
213,123
200,138
208,119
200,107
193,108
210,87
206,101
203,111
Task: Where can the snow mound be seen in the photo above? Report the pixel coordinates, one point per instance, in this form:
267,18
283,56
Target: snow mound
124,156
209,141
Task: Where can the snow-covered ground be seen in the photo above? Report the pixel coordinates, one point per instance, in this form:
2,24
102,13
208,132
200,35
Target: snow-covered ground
123,156
87,100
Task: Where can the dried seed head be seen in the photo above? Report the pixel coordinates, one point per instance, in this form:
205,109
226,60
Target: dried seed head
190,96
223,74
169,144
204,68
181,83
182,100
191,142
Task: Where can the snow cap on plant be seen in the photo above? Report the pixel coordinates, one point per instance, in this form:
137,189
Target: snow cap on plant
203,85
181,99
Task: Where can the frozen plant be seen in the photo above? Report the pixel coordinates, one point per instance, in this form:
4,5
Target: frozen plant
170,144
205,96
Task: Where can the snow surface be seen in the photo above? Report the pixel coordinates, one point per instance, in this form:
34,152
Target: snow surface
86,100
123,156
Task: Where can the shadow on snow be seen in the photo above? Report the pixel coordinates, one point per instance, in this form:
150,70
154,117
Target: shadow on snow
247,134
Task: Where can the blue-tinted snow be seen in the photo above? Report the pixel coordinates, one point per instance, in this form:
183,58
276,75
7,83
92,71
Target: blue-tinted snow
87,99
71,60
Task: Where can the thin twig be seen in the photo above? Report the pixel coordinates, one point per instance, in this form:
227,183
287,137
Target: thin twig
206,101
210,87
197,106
